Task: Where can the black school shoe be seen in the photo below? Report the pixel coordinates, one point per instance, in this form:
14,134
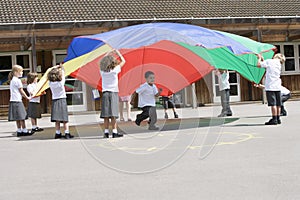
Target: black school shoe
19,134
68,136
37,129
175,115
28,133
116,135
137,123
58,136
272,122
106,135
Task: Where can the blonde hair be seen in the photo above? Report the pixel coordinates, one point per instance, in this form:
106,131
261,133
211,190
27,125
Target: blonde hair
108,63
279,56
15,68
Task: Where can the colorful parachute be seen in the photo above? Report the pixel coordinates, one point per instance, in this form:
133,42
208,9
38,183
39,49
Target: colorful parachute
178,54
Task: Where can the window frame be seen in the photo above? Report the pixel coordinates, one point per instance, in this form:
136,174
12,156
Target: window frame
14,62
296,57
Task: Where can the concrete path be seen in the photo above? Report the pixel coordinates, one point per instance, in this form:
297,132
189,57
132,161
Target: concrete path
196,157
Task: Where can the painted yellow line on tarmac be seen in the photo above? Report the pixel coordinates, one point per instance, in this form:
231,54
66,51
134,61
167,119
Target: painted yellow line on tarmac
241,137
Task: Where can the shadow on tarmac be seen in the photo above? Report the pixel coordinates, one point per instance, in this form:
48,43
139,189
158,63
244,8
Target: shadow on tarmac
95,131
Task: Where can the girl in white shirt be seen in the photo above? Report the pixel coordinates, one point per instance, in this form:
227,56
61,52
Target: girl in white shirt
34,108
110,67
59,111
17,110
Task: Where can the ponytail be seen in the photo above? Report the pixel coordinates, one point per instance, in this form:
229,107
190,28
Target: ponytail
10,75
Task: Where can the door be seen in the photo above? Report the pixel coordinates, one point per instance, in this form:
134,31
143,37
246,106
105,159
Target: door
234,80
75,89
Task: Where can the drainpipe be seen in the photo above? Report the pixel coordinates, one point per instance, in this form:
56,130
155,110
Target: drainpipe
33,51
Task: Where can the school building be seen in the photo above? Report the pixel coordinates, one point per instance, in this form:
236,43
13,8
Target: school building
36,34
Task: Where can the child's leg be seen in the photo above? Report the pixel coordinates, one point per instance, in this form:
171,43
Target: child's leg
144,115
57,127
227,104
121,106
66,127
128,106
274,110
115,133
18,123
23,125
223,100
153,116
67,132
106,125
166,114
114,124
34,122
278,110
106,122
171,104
165,105
174,111
278,105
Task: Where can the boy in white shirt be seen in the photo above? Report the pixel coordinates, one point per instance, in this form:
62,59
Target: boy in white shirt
147,93
273,84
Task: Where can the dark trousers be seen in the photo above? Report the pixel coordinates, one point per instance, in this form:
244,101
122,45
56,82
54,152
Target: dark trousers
225,94
148,111
284,98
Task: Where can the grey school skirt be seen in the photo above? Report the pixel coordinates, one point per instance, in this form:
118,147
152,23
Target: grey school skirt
16,111
59,111
34,110
110,105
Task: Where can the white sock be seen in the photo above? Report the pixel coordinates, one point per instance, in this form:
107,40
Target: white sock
106,131
19,130
33,127
67,132
57,132
24,130
115,131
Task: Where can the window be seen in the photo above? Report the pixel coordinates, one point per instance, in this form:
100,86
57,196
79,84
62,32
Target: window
7,60
292,54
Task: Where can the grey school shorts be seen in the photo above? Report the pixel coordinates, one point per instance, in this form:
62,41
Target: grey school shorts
110,105
274,98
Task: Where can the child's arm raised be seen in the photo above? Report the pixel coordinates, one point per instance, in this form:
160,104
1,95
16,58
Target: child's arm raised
121,57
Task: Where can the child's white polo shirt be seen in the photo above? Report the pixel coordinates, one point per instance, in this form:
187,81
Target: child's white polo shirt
15,85
273,70
147,95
